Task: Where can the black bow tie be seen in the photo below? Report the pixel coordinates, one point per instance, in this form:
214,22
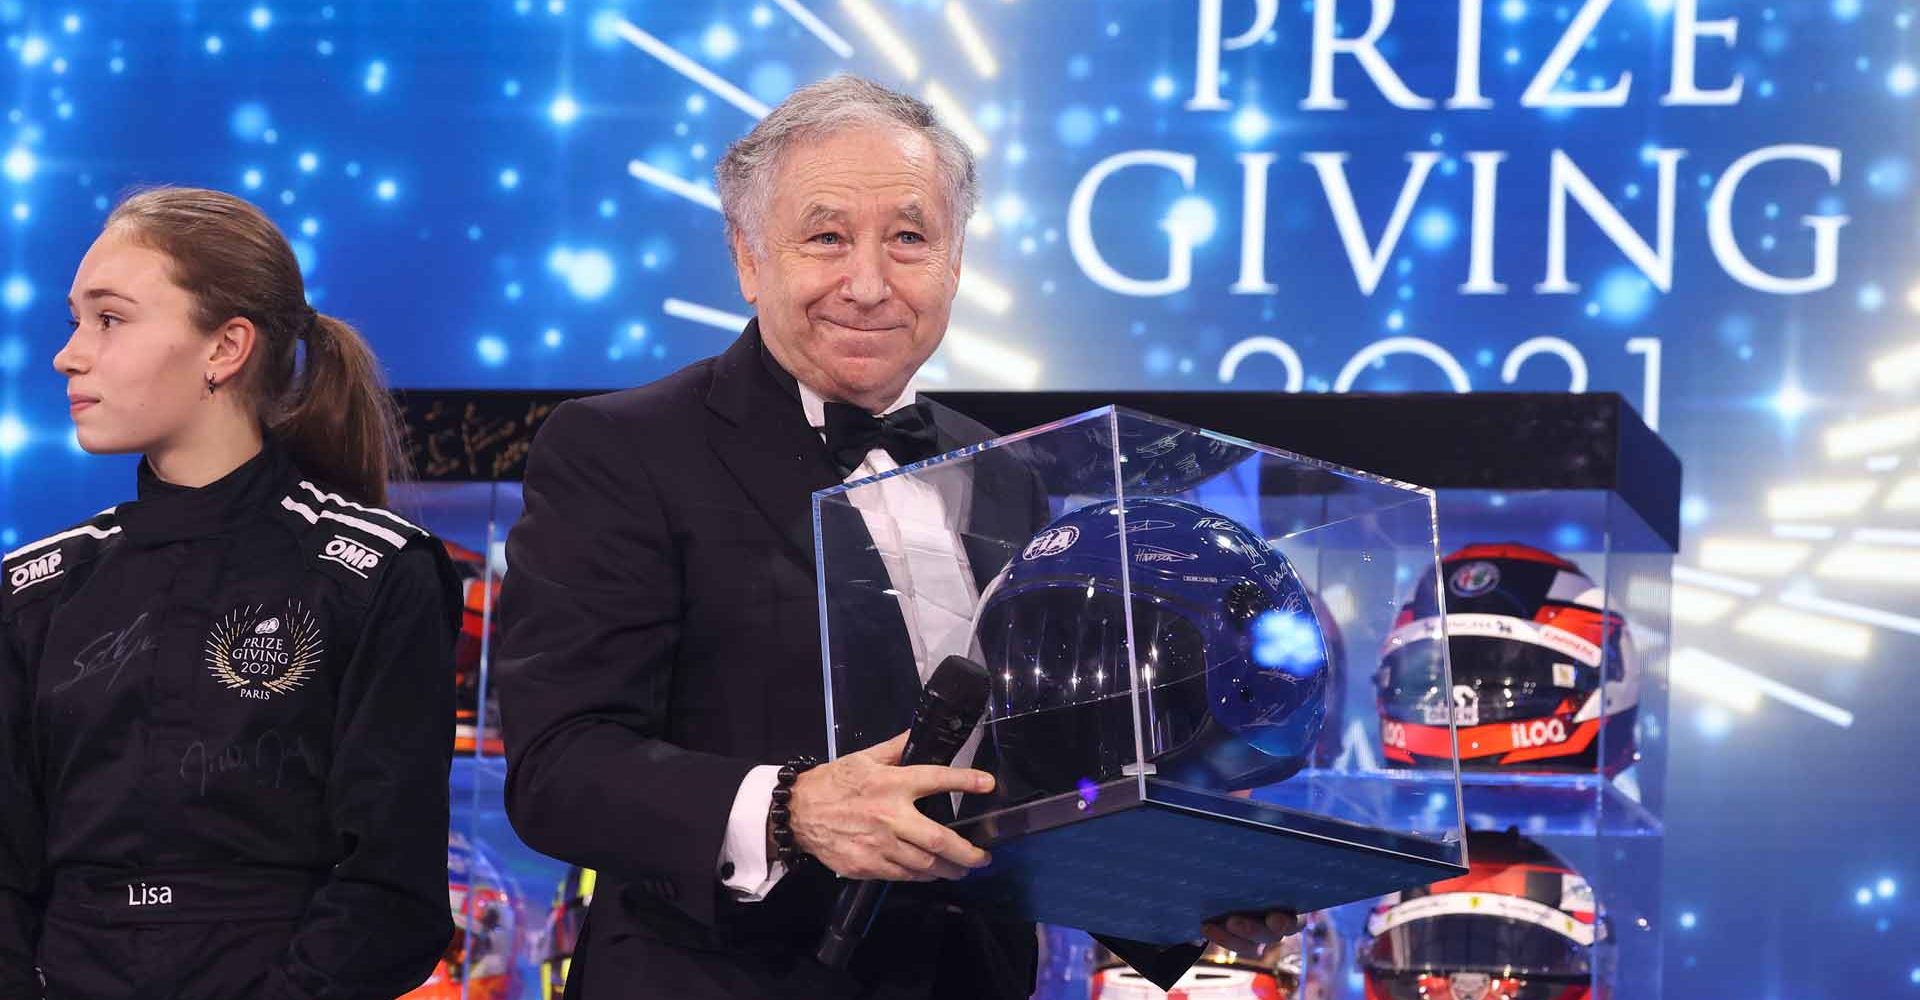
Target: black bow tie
907,434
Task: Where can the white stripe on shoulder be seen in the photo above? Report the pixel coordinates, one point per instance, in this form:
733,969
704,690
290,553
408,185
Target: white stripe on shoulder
313,517
85,529
338,500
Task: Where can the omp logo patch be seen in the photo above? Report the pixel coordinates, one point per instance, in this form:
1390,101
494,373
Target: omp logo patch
351,554
35,571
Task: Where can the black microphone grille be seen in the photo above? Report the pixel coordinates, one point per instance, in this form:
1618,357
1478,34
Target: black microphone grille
962,683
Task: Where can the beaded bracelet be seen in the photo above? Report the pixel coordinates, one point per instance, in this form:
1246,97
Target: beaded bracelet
780,815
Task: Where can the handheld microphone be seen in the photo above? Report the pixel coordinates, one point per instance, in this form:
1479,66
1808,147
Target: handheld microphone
954,700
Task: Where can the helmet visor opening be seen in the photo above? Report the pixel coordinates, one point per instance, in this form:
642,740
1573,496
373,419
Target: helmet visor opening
1471,943
1508,681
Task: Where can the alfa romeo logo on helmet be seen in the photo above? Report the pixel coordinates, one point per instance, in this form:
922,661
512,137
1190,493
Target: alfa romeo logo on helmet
1470,985
1474,579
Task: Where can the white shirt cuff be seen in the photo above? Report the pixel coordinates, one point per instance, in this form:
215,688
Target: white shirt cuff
745,869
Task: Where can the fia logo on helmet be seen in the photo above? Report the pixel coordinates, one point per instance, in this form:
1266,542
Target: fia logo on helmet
1051,542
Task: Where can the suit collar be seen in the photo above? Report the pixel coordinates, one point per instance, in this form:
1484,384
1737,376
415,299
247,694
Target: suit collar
747,381
763,438
165,512
767,444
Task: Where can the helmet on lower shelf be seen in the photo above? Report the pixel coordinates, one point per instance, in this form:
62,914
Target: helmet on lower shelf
479,961
1300,967
1520,925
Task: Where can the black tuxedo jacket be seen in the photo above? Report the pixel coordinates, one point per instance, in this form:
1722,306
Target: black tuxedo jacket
660,638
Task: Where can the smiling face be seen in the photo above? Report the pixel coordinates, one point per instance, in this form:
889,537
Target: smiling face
858,262
135,364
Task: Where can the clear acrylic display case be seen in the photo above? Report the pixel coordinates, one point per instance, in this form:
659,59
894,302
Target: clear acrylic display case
1173,621
1578,477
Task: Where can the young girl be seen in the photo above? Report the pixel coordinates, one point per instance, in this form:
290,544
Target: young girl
226,707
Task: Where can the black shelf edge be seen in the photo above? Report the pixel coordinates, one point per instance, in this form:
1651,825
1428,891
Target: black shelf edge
1446,441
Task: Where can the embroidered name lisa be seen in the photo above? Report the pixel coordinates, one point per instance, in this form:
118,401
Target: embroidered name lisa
142,894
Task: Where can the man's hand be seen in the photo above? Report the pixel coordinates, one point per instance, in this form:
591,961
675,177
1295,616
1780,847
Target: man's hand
856,816
1251,933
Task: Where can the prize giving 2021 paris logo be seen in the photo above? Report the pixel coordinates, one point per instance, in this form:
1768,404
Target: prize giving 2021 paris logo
261,651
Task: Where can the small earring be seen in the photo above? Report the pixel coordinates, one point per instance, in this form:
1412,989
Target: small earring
211,384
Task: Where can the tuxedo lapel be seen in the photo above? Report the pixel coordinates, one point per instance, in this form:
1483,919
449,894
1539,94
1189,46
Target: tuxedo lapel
763,439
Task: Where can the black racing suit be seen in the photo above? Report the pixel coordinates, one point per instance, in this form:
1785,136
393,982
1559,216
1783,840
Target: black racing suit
226,720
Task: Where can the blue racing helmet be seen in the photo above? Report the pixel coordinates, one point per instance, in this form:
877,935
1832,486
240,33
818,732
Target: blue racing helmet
1233,660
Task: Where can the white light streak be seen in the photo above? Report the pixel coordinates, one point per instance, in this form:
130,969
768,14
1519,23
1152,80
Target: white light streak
686,67
1002,363
699,194
1715,679
1871,564
1893,432
1698,606
1751,557
1897,370
1701,578
1887,536
955,117
818,27
1853,612
985,293
1905,495
1734,685
1806,532
704,315
883,37
1801,630
972,42
1813,501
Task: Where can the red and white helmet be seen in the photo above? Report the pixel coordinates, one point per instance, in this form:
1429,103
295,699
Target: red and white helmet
1520,925
1545,678
1300,967
479,961
474,729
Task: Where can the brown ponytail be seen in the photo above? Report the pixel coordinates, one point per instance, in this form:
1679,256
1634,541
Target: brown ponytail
332,412
342,425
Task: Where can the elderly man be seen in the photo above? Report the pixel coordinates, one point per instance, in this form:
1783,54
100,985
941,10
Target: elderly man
660,654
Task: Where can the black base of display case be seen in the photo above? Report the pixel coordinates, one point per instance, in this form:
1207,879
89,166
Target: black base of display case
1151,863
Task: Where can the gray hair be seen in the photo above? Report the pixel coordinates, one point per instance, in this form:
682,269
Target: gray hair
839,102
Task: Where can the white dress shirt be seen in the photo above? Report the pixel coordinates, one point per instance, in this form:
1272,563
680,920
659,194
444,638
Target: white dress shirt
914,528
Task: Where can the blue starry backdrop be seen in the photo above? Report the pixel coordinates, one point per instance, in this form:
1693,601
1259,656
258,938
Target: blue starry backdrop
1705,205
